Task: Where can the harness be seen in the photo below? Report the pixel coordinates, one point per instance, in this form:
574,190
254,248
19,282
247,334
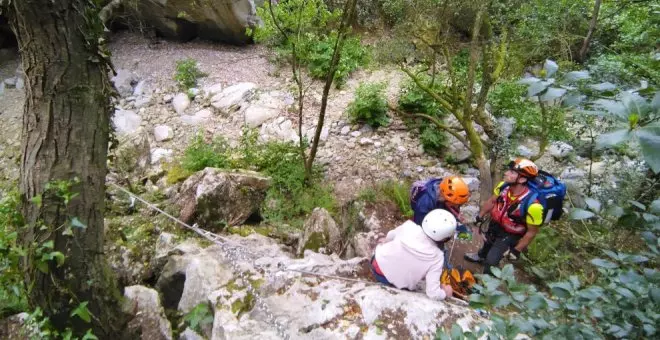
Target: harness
507,212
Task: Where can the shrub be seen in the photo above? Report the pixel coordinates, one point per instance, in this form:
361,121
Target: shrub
353,56
288,198
507,100
414,100
393,10
370,105
199,154
312,28
187,73
399,193
13,298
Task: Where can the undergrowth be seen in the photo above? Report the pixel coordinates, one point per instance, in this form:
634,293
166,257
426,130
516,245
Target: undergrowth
288,199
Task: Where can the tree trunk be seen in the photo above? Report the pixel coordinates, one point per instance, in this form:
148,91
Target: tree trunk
348,14
65,137
592,27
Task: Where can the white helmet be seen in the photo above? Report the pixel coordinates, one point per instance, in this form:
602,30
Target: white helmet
439,224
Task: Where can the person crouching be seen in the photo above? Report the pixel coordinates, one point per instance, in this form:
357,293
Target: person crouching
410,253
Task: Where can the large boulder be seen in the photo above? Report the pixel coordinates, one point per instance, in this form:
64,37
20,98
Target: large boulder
320,232
184,20
233,97
149,315
306,306
216,198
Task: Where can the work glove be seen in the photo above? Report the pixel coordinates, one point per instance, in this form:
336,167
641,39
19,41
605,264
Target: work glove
514,255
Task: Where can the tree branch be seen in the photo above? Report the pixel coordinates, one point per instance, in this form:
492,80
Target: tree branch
472,67
446,105
435,121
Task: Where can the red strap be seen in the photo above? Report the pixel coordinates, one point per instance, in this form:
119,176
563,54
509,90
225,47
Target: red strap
376,267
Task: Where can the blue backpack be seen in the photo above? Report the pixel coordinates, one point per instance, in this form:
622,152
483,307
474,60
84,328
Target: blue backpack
549,191
424,197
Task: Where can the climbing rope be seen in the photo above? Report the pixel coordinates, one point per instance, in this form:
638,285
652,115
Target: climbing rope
234,251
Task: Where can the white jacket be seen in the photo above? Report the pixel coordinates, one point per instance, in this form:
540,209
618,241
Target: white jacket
408,256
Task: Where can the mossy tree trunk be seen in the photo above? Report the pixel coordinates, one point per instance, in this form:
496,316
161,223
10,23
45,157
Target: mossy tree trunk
463,103
66,125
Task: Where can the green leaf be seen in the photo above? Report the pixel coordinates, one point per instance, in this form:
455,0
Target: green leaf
655,206
604,263
48,244
636,258
89,336
528,81
613,107
654,293
597,313
641,206
497,272
591,293
552,93
536,302
649,142
614,211
649,329
550,68
612,255
602,87
593,204
67,231
580,214
610,139
75,222
500,300
42,266
456,332
625,292
536,88
37,200
573,99
655,103
650,218
561,290
507,271
59,257
82,312
577,75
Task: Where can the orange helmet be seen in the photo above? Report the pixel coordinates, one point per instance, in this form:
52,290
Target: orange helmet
524,167
454,190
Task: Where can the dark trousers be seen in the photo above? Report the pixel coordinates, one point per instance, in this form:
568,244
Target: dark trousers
497,243
380,278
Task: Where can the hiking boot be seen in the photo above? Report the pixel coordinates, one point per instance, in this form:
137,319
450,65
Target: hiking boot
473,257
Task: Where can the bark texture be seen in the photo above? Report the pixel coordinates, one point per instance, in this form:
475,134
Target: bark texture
66,125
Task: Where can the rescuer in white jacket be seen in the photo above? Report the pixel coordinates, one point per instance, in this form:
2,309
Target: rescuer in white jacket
411,253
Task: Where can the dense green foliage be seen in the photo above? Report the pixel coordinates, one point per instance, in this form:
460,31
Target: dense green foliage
12,290
308,29
414,100
370,105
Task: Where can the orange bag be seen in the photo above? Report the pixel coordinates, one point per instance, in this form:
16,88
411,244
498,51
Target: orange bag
460,280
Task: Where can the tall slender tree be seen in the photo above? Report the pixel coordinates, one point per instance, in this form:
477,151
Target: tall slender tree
66,125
